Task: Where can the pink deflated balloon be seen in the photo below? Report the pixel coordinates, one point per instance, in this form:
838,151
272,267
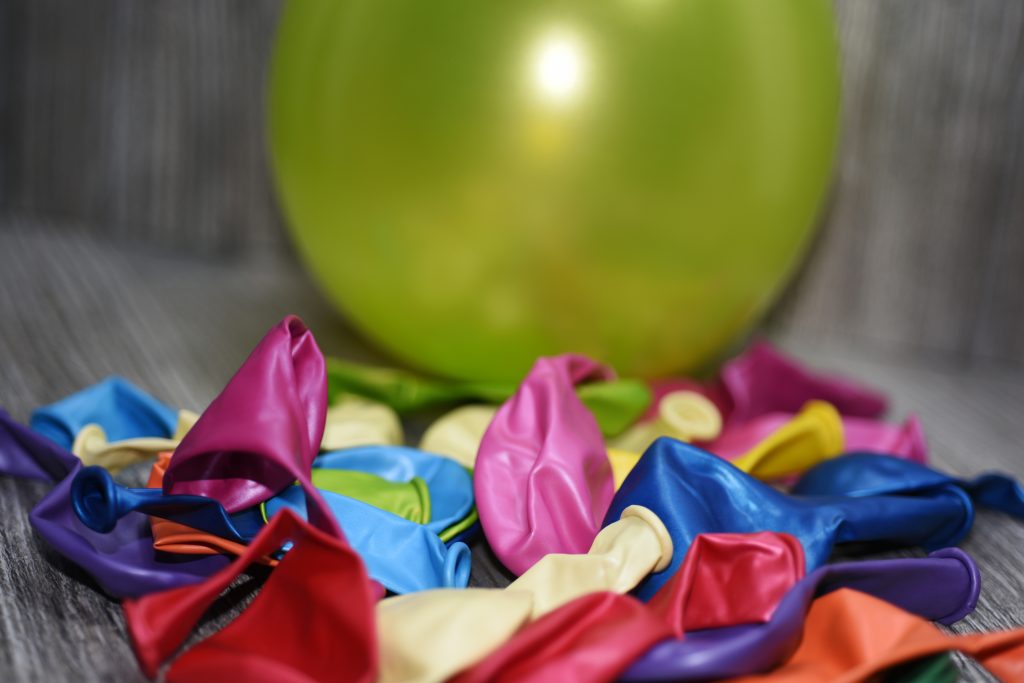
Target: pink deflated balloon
263,431
542,480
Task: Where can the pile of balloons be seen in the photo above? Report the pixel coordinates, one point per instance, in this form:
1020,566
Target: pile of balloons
679,530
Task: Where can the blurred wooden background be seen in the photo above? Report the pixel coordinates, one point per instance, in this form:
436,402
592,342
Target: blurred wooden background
145,120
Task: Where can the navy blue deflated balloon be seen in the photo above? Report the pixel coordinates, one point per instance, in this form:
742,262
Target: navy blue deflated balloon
693,492
100,502
122,409
450,485
869,474
401,555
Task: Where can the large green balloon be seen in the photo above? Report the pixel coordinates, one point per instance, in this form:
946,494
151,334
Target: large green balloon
479,182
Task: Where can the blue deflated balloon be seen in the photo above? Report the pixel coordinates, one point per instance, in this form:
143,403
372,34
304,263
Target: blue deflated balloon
401,555
868,474
122,409
100,502
693,492
450,485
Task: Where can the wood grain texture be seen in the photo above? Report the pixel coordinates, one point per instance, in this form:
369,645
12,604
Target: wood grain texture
75,309
145,120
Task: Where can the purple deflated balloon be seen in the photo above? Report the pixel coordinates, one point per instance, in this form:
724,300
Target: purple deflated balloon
123,562
943,587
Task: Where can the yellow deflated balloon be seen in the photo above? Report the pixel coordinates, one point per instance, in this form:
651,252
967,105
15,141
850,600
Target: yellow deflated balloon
479,183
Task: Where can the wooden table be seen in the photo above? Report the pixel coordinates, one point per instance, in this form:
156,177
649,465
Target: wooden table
74,309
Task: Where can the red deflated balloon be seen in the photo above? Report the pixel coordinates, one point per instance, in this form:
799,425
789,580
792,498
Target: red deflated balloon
592,638
730,579
313,620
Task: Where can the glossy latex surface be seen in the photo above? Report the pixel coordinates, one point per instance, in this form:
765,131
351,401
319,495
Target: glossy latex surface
676,480
278,637
264,429
581,177
402,555
450,485
943,587
542,478
592,638
430,635
850,637
762,380
123,562
93,448
119,407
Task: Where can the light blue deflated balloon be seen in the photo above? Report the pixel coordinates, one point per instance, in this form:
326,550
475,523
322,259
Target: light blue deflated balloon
122,409
450,485
403,556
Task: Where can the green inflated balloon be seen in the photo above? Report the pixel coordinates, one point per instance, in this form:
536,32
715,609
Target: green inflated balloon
479,183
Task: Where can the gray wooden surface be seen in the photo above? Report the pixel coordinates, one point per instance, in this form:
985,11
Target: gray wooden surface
75,308
144,120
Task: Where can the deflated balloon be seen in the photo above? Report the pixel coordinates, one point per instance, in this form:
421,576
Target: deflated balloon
729,579
450,485
615,403
592,638
353,421
403,556
761,380
542,479
278,635
854,433
123,562
93,448
458,434
943,587
119,407
852,636
622,555
695,492
264,429
99,503
409,500
431,635
869,474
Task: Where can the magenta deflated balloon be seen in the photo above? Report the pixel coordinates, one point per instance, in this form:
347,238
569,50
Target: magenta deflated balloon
123,561
762,380
542,478
943,587
263,431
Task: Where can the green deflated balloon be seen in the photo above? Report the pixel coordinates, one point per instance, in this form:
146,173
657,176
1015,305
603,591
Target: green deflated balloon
480,183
